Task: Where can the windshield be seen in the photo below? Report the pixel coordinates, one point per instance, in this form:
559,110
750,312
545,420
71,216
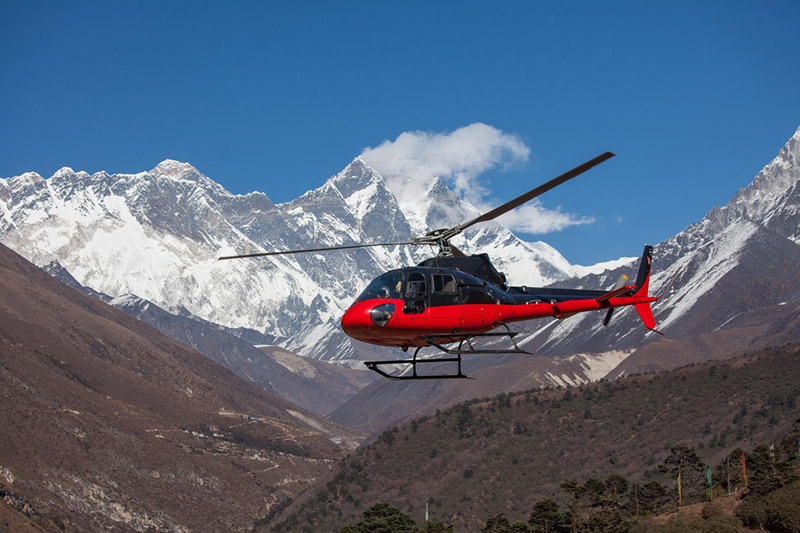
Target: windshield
385,286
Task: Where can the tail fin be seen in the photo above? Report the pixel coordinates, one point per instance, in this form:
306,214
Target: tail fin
642,286
639,290
643,278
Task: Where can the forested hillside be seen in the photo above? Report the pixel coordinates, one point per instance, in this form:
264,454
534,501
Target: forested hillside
506,454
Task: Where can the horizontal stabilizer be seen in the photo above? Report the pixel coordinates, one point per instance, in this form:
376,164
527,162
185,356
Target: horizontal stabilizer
616,292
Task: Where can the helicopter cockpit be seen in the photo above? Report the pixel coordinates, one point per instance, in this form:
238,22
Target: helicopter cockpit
420,288
386,286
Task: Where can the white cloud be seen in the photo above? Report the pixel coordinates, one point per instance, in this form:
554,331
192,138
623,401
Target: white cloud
457,157
460,158
533,218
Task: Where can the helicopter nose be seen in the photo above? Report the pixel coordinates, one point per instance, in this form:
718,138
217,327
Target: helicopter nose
365,317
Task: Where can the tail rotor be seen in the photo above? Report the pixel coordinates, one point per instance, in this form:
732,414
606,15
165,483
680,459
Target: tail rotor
620,283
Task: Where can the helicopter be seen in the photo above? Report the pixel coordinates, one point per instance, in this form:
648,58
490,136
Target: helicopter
456,299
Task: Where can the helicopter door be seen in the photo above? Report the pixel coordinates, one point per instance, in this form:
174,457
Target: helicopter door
416,294
444,291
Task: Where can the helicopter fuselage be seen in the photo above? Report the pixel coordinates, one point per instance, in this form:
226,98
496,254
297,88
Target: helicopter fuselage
402,307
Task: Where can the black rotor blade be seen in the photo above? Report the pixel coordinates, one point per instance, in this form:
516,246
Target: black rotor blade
620,283
607,319
530,195
348,247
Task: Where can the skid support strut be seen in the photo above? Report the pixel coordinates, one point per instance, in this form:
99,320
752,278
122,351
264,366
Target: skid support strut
465,346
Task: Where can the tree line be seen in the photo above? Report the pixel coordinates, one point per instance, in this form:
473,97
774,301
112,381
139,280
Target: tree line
767,476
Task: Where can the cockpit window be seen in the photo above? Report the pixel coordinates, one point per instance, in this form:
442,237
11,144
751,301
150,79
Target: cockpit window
444,283
385,286
416,286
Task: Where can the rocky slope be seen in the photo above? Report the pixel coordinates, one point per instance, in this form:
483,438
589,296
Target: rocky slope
308,383
109,424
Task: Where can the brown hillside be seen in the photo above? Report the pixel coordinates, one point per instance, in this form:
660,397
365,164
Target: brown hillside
501,455
108,424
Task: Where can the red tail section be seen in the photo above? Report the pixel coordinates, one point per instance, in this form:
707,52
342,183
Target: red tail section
647,316
642,286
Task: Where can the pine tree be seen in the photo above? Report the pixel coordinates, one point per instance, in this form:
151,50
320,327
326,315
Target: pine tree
684,461
383,518
546,517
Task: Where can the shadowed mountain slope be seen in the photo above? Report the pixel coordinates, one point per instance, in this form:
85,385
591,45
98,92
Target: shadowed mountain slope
109,424
314,385
501,455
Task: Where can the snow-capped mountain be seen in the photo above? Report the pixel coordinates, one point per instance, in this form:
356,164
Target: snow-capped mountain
158,235
748,249
741,257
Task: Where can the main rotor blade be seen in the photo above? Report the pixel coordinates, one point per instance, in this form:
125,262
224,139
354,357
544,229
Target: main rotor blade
348,247
530,195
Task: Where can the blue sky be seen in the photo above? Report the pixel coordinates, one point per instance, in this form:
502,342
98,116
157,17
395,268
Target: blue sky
694,97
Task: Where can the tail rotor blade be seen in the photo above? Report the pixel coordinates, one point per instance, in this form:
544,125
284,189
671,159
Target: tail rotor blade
620,283
607,319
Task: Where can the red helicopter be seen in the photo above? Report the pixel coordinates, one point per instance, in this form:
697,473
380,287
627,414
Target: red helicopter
454,298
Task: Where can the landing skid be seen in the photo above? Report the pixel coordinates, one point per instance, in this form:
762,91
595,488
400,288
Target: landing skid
438,341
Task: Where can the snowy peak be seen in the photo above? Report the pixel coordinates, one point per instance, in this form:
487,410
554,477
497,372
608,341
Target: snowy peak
64,173
22,184
770,189
740,258
355,178
354,206
721,248
177,169
177,172
440,207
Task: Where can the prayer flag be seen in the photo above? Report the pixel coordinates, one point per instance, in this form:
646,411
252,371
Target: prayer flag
710,486
744,470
